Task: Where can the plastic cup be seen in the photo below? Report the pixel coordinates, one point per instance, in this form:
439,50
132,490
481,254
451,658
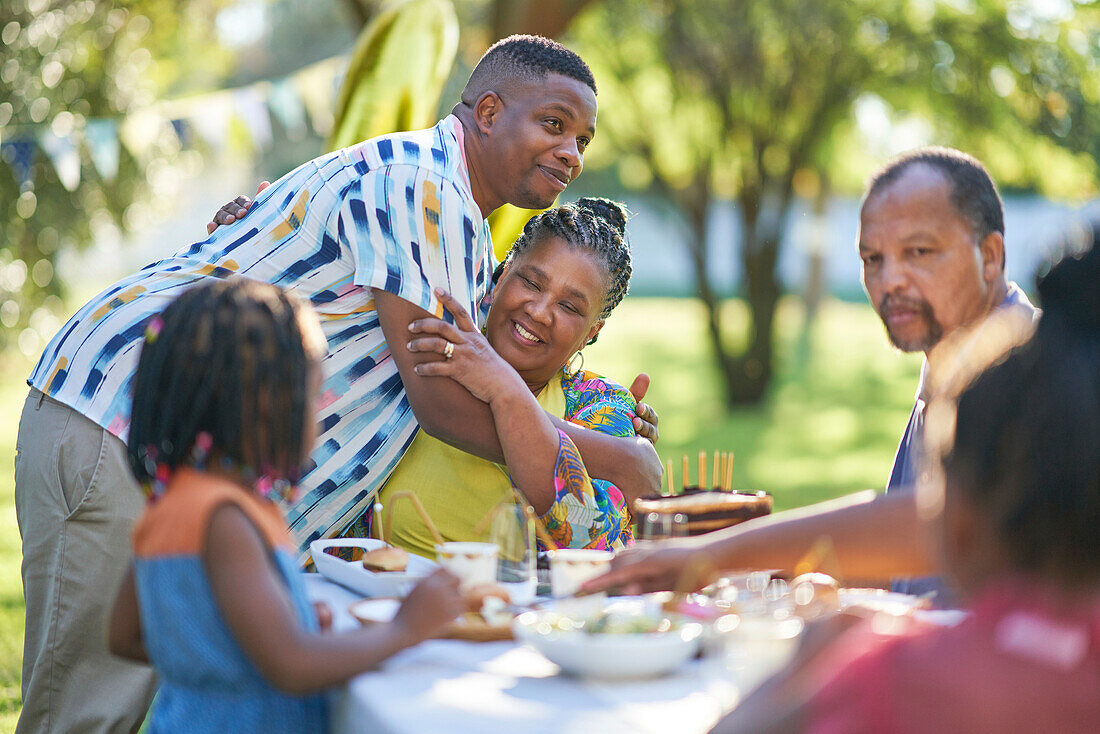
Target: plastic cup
571,567
472,563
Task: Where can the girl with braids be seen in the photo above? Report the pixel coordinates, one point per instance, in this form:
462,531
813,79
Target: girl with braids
222,422
1020,497
561,280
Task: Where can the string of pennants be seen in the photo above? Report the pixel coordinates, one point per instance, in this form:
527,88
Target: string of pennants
301,101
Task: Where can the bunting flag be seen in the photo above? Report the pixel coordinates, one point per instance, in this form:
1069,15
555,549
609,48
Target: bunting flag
182,127
211,119
316,86
63,153
286,106
101,137
297,102
20,153
252,110
140,132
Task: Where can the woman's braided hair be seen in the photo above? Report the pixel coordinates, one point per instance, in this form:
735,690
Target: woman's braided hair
593,223
229,359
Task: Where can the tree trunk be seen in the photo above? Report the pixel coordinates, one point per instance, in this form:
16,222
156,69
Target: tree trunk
748,380
694,204
360,11
548,18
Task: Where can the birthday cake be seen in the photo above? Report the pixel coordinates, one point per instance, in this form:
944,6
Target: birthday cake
707,510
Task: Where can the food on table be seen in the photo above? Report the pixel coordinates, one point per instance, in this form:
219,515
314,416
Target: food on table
612,622
707,510
388,559
815,595
476,595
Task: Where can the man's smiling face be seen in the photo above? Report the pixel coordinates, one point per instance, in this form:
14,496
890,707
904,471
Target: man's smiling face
538,139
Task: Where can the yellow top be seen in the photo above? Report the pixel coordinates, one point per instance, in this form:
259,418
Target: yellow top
457,489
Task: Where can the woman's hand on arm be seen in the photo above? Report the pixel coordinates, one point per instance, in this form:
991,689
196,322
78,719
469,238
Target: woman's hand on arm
253,599
233,210
527,436
124,629
443,408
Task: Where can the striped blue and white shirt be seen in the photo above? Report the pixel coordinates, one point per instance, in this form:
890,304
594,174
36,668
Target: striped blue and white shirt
394,213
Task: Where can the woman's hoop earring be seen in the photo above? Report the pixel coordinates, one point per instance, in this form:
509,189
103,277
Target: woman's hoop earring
569,365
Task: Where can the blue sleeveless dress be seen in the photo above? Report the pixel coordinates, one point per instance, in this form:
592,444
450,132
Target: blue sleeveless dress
207,684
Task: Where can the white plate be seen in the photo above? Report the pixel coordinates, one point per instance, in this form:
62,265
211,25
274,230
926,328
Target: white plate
880,600
369,583
610,656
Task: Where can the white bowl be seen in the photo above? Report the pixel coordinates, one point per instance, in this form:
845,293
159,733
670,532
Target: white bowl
369,583
616,656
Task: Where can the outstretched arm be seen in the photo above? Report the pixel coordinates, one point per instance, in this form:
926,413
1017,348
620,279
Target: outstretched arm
874,537
253,600
449,412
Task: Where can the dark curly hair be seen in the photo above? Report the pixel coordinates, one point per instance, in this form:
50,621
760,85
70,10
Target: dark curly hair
526,57
1027,432
973,193
229,358
592,223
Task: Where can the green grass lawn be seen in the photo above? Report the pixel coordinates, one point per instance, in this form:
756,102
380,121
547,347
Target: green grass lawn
837,409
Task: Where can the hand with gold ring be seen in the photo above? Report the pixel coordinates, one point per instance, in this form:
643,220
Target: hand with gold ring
467,356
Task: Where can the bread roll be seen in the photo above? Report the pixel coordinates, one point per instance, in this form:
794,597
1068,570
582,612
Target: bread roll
386,559
476,595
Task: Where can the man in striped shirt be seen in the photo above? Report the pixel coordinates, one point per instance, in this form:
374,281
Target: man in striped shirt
366,234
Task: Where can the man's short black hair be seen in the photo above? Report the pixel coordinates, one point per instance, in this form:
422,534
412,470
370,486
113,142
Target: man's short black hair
525,57
973,193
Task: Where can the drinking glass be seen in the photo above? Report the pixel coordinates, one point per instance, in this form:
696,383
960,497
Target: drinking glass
660,526
513,530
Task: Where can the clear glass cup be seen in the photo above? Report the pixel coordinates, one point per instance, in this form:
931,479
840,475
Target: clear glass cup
513,530
661,526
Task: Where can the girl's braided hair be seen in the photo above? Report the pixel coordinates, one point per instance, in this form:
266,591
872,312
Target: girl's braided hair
230,359
593,223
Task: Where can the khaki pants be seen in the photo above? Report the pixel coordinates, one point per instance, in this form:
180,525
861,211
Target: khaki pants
75,501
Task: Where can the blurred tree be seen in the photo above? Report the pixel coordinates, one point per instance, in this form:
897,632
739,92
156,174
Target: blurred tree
397,71
70,71
751,100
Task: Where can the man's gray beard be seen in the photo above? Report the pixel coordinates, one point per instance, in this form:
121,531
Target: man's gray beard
933,330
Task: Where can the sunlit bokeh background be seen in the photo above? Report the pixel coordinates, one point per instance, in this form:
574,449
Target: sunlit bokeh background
738,132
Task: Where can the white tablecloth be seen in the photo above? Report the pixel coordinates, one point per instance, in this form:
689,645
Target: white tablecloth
482,688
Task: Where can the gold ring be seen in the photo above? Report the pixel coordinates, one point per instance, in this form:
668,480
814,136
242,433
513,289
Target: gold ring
449,350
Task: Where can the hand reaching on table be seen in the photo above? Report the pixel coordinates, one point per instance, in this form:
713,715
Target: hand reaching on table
654,566
233,210
432,603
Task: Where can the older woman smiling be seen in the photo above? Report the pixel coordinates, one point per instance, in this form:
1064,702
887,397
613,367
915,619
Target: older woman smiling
561,280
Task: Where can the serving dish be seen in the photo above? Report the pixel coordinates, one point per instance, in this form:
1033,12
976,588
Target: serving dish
589,646
368,583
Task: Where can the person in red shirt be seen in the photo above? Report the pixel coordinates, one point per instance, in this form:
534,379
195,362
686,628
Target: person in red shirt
1018,535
